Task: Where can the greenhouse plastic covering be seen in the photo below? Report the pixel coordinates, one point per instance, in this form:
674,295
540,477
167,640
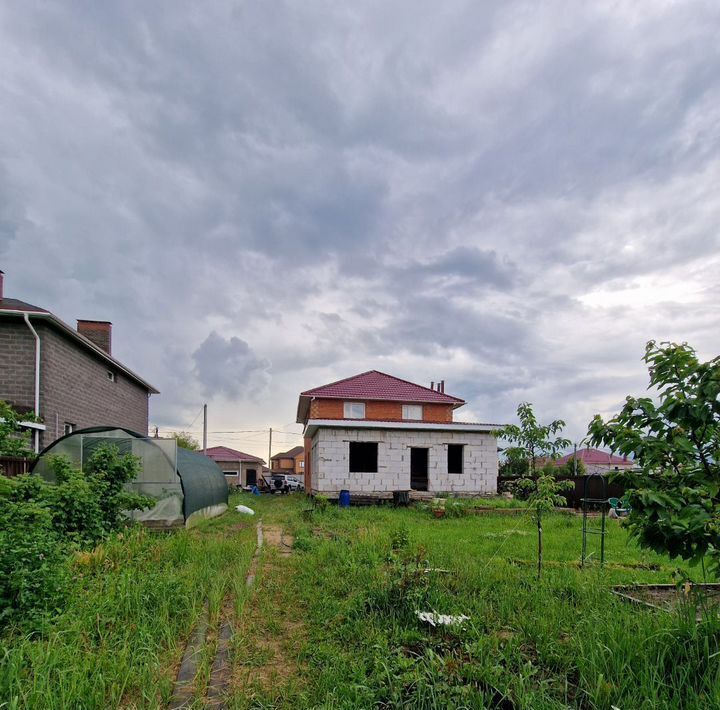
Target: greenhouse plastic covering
184,483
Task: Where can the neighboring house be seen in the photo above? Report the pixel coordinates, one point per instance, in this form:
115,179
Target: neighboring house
290,462
240,469
373,434
67,376
597,461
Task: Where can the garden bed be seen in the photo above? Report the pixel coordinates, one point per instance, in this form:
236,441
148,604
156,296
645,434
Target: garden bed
669,597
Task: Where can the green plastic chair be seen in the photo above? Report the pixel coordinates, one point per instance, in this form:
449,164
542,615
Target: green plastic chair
620,506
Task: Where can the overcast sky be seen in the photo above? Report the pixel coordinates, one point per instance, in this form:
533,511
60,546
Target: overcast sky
264,197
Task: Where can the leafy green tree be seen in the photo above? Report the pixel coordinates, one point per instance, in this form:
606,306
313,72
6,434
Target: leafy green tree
529,442
14,440
186,441
675,439
513,465
568,468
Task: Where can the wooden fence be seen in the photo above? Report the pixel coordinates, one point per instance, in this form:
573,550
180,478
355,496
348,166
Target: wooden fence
575,494
14,465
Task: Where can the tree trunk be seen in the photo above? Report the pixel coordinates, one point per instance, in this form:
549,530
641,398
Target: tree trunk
540,550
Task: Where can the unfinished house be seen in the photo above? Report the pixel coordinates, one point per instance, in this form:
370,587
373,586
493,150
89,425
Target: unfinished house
373,434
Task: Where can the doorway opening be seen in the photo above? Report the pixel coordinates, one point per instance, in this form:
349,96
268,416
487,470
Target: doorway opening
419,469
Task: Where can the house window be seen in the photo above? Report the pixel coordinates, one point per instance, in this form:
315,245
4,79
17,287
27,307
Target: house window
455,458
412,411
301,464
111,375
363,457
354,410
68,428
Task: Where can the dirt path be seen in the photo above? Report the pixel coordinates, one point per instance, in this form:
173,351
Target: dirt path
270,633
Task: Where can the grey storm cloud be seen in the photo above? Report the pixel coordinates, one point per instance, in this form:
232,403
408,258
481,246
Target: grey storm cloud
519,194
228,366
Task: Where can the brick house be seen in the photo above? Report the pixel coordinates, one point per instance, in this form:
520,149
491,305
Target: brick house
373,434
67,376
240,469
291,462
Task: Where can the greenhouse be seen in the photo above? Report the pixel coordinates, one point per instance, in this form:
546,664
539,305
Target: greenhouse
186,484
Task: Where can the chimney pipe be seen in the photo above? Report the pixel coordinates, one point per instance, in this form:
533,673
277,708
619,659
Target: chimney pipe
2,276
97,331
432,385
442,386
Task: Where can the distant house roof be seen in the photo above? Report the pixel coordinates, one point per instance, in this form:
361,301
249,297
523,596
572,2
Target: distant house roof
291,454
595,457
224,453
14,307
375,385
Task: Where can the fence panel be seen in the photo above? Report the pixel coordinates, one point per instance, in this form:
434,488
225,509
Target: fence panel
575,494
11,466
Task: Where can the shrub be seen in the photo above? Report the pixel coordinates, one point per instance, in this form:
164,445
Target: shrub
40,523
14,440
32,554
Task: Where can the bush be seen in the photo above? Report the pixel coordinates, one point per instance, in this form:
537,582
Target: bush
41,523
32,569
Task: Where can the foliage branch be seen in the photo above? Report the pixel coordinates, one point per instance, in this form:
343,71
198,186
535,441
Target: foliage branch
674,491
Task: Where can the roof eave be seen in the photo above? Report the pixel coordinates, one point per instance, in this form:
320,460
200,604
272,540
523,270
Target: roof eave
86,342
313,425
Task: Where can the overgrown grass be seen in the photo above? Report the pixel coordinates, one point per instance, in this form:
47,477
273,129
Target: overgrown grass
131,605
345,605
563,642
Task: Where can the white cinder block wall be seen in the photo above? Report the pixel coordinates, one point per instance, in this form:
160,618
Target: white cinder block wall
331,451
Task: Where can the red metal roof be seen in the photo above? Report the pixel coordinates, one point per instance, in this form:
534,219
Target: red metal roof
224,453
378,385
595,457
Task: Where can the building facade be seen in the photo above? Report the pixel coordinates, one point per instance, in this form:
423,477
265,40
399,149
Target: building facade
374,434
291,462
240,469
67,376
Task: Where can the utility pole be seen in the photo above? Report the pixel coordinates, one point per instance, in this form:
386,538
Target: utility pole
270,451
205,428
575,460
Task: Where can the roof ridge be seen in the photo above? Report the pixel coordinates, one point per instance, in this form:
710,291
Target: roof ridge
344,379
384,374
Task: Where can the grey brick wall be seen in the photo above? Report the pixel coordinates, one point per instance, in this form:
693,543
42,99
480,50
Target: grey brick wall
17,364
74,383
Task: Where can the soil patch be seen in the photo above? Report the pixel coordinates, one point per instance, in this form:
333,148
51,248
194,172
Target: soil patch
275,538
668,597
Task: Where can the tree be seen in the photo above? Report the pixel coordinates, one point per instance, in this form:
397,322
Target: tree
531,441
513,465
675,439
14,440
186,440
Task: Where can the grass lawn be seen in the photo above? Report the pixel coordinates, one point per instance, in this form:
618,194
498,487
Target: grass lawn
333,625
345,633
130,608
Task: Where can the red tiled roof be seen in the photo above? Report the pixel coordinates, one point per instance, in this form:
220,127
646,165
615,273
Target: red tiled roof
378,385
595,457
224,453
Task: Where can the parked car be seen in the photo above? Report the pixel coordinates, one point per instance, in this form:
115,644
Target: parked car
282,483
